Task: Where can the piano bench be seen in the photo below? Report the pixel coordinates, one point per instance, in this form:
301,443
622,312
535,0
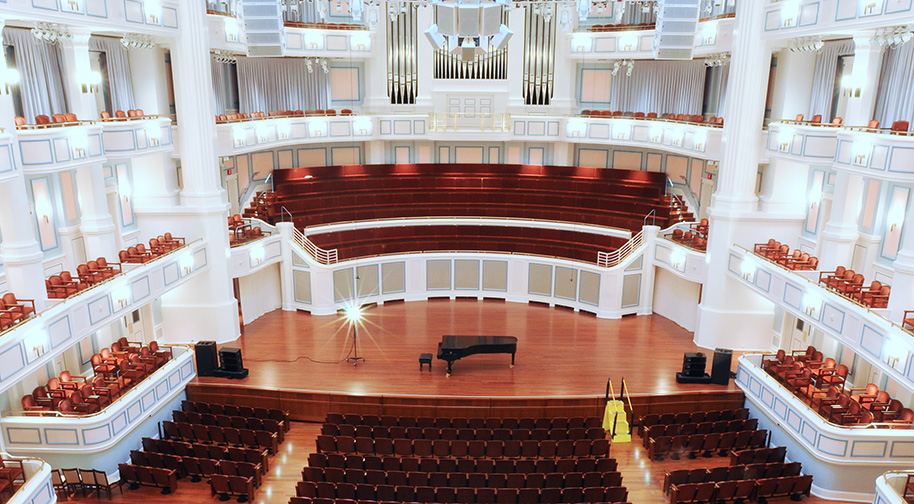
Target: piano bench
425,358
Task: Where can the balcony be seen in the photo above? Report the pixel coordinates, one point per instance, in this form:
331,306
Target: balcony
803,142
798,18
839,457
39,339
637,42
38,486
698,140
159,18
891,488
60,148
23,433
866,331
136,137
875,153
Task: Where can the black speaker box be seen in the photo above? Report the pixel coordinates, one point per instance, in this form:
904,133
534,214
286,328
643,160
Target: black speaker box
232,365
693,364
720,366
205,353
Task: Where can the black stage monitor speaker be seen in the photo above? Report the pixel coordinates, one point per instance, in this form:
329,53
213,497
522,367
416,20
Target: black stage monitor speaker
720,367
693,369
231,359
205,352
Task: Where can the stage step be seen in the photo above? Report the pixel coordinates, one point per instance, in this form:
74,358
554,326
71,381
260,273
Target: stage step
615,420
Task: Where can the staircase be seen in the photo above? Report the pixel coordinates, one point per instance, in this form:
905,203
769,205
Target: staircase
615,421
260,206
679,211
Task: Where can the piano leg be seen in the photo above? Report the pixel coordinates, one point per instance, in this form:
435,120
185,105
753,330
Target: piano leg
449,367
512,360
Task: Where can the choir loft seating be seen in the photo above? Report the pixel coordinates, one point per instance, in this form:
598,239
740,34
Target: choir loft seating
120,115
713,121
116,370
566,244
779,253
821,383
431,467
613,198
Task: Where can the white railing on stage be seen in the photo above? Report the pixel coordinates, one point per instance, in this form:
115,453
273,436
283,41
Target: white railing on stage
610,259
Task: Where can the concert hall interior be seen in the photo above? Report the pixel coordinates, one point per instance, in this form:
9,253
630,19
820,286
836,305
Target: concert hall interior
457,251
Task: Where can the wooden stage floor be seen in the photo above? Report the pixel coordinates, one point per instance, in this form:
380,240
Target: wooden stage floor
559,352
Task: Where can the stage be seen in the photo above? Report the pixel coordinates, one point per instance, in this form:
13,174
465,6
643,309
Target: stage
297,361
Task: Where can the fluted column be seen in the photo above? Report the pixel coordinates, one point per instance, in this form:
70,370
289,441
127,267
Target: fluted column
78,71
840,232
96,224
730,315
20,253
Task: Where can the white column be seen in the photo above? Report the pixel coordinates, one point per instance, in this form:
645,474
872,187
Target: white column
729,312
155,182
77,72
783,188
792,84
840,232
19,250
902,296
147,72
867,66
96,224
425,57
205,306
286,278
515,82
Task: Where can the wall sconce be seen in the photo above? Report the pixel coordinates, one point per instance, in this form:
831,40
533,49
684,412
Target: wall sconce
747,269
318,127
580,42
621,132
576,127
238,135
676,138
90,82
895,216
257,255
44,210
709,33
74,6
790,13
360,41
678,259
785,137
263,134
861,152
811,303
699,139
187,264
153,134
153,10
868,7
10,80
814,198
362,125
849,87
231,29
39,350
283,129
656,134
79,143
121,296
314,40
628,41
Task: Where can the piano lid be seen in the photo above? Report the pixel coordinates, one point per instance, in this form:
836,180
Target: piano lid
451,342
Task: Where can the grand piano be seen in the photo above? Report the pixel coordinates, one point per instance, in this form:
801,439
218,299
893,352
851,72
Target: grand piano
452,348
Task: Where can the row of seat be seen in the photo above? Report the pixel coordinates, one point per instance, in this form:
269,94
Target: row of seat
464,465
63,285
319,500
324,26
694,417
464,449
779,253
14,311
690,239
225,486
731,473
43,121
705,444
222,118
461,479
70,481
158,246
738,491
256,456
758,455
120,115
197,467
850,285
461,495
465,423
203,407
237,422
572,245
166,479
260,204
688,429
690,118
898,127
213,434
466,433
12,476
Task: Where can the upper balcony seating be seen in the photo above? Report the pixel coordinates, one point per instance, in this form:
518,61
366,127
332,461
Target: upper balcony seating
850,285
43,121
224,118
12,476
696,238
158,246
779,253
615,198
687,118
63,285
325,26
120,115
566,244
13,311
821,384
907,320
115,371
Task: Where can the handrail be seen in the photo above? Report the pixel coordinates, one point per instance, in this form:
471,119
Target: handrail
269,180
320,255
610,259
282,210
653,216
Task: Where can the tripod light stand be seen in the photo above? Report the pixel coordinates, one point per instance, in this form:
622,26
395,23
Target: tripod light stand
354,315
